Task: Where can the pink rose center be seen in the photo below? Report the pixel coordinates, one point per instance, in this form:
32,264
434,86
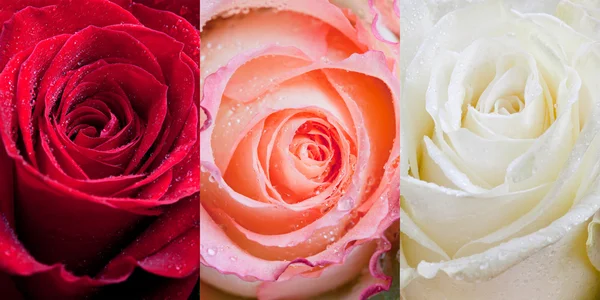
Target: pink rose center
312,161
299,155
314,146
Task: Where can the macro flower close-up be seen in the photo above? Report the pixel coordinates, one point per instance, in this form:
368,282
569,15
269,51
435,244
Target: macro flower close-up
299,151
500,152
99,156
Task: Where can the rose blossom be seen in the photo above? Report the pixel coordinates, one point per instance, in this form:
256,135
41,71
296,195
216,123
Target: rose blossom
300,158
500,152
99,163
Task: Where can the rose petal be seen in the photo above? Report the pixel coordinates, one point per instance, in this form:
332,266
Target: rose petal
172,25
189,9
9,288
28,26
416,245
45,224
30,74
178,75
157,240
366,229
537,252
592,241
329,279
316,8
219,46
584,17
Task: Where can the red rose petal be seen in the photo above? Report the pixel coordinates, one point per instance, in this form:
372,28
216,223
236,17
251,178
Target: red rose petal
187,176
9,289
182,149
92,44
43,282
189,9
7,188
172,25
123,3
150,102
95,162
14,259
175,223
64,86
29,26
8,80
174,289
196,70
145,286
45,222
179,77
179,258
9,7
101,187
157,188
30,75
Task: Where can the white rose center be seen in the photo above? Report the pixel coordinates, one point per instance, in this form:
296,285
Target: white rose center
489,103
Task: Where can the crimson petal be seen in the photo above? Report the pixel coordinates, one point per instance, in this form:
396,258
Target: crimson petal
29,26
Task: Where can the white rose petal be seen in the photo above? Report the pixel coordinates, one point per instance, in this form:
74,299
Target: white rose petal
593,242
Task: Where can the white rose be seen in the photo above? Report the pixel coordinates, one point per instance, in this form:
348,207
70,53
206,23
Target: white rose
500,150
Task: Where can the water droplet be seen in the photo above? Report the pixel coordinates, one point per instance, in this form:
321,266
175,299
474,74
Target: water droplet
345,204
502,256
211,251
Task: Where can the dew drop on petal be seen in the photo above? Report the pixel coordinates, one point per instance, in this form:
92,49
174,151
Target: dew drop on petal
345,204
502,256
211,251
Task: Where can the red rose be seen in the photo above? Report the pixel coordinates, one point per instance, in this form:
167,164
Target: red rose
99,168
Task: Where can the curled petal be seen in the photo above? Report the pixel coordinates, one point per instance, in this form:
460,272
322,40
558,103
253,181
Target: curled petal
157,242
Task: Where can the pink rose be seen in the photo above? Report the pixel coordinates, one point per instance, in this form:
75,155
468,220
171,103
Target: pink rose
299,151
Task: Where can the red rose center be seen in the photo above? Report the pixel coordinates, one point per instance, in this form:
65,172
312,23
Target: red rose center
97,121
